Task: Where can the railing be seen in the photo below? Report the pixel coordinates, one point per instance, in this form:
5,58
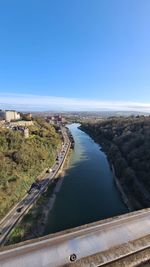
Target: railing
94,244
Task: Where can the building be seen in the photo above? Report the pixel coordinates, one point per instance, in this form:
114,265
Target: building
56,119
9,115
29,116
26,116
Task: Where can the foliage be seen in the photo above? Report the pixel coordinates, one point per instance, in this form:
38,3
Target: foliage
127,144
32,223
22,160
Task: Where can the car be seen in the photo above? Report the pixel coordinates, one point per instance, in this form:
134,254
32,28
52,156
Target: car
49,170
19,209
30,190
38,187
34,186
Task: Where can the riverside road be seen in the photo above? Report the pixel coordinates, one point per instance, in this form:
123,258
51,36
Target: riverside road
18,211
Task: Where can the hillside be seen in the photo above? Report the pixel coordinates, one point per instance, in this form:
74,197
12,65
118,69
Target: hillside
22,160
126,142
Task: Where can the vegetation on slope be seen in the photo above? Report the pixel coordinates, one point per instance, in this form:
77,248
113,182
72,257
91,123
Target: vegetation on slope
22,160
127,144
32,224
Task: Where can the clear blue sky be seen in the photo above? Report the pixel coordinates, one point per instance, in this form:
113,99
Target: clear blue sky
83,49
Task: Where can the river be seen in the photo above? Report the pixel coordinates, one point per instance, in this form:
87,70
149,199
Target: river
88,192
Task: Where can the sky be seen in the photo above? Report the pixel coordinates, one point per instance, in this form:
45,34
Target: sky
75,55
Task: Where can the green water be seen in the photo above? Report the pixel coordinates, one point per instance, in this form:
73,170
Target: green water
88,192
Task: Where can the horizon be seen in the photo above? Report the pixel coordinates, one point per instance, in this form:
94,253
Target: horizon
22,102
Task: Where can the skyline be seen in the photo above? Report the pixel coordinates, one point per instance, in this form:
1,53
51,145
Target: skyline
24,102
75,55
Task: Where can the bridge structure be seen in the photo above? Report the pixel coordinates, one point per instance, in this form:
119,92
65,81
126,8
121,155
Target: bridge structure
119,241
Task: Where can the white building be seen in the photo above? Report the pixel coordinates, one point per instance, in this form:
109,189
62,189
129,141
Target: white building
9,115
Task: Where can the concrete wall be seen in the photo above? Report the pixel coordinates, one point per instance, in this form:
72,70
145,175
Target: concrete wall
22,123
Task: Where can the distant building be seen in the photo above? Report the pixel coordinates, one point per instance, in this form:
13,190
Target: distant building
56,119
26,116
12,115
9,115
29,116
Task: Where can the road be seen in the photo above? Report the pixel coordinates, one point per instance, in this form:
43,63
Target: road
18,211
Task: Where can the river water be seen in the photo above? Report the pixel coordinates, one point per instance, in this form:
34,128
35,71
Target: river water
88,192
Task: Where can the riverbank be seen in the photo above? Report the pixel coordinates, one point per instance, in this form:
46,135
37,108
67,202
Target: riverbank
33,223
120,188
132,190
116,180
